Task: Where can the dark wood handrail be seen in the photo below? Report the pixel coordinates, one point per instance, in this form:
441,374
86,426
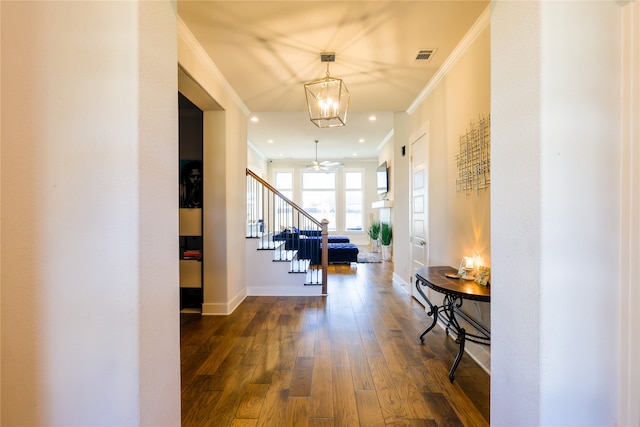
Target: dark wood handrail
285,198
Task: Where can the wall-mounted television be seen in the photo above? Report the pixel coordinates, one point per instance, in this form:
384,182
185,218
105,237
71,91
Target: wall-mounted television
382,178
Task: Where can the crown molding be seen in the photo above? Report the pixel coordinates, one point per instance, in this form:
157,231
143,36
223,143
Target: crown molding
187,36
385,140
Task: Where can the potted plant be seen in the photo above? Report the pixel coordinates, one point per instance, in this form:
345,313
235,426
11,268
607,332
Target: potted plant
385,240
374,235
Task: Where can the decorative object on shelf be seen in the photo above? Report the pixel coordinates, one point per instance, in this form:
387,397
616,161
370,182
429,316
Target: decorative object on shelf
482,275
190,184
327,98
466,268
374,235
473,159
385,240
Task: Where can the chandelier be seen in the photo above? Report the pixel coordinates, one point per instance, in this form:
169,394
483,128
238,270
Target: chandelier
327,98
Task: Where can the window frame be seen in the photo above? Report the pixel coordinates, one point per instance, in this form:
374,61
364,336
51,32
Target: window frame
333,225
345,189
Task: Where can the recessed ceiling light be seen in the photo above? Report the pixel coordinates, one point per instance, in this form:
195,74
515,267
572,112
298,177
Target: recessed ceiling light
255,119
355,154
372,118
270,141
361,140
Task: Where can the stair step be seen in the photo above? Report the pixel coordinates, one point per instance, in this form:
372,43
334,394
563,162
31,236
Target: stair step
269,245
283,255
314,277
299,265
259,235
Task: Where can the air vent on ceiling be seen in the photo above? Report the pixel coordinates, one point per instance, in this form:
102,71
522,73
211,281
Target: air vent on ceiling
424,55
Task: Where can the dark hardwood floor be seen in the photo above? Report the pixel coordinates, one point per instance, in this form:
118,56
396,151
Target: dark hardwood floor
352,358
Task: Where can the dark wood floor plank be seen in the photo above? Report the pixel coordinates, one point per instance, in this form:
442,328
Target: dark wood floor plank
424,423
350,358
275,404
288,350
196,412
368,337
369,411
322,388
360,368
231,398
219,352
227,374
321,422
445,415
266,364
344,398
466,411
252,401
190,366
301,377
242,345
405,385
297,412
388,396
475,384
306,343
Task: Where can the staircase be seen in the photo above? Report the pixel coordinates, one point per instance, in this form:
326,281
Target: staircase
280,259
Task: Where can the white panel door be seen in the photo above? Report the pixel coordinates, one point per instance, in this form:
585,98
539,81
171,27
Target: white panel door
419,211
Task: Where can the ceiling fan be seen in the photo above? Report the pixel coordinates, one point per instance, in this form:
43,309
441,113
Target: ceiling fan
326,165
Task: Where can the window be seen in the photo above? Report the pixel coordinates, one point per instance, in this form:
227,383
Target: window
353,200
284,183
319,196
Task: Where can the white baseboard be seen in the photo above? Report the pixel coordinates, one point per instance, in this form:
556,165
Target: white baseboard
215,309
399,281
284,291
223,309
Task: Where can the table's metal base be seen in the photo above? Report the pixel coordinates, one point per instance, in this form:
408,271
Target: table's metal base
447,313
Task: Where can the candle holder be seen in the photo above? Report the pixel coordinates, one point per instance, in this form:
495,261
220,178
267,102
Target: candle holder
466,270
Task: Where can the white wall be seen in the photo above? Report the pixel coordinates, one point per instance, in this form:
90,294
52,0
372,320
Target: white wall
90,328
459,224
630,229
224,188
256,162
555,212
401,214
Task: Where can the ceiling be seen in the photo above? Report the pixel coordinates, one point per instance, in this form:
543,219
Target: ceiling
267,50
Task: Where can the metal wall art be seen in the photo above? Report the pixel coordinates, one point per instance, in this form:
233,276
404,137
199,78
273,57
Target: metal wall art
474,157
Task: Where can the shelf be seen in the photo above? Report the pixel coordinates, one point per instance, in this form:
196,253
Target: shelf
190,222
382,204
190,273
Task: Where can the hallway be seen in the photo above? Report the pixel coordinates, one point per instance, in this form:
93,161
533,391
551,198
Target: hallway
351,358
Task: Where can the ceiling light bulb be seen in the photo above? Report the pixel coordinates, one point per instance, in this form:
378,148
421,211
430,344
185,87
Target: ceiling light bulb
255,119
372,118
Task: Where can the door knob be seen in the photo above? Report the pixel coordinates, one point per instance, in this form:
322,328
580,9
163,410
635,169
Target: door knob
422,243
